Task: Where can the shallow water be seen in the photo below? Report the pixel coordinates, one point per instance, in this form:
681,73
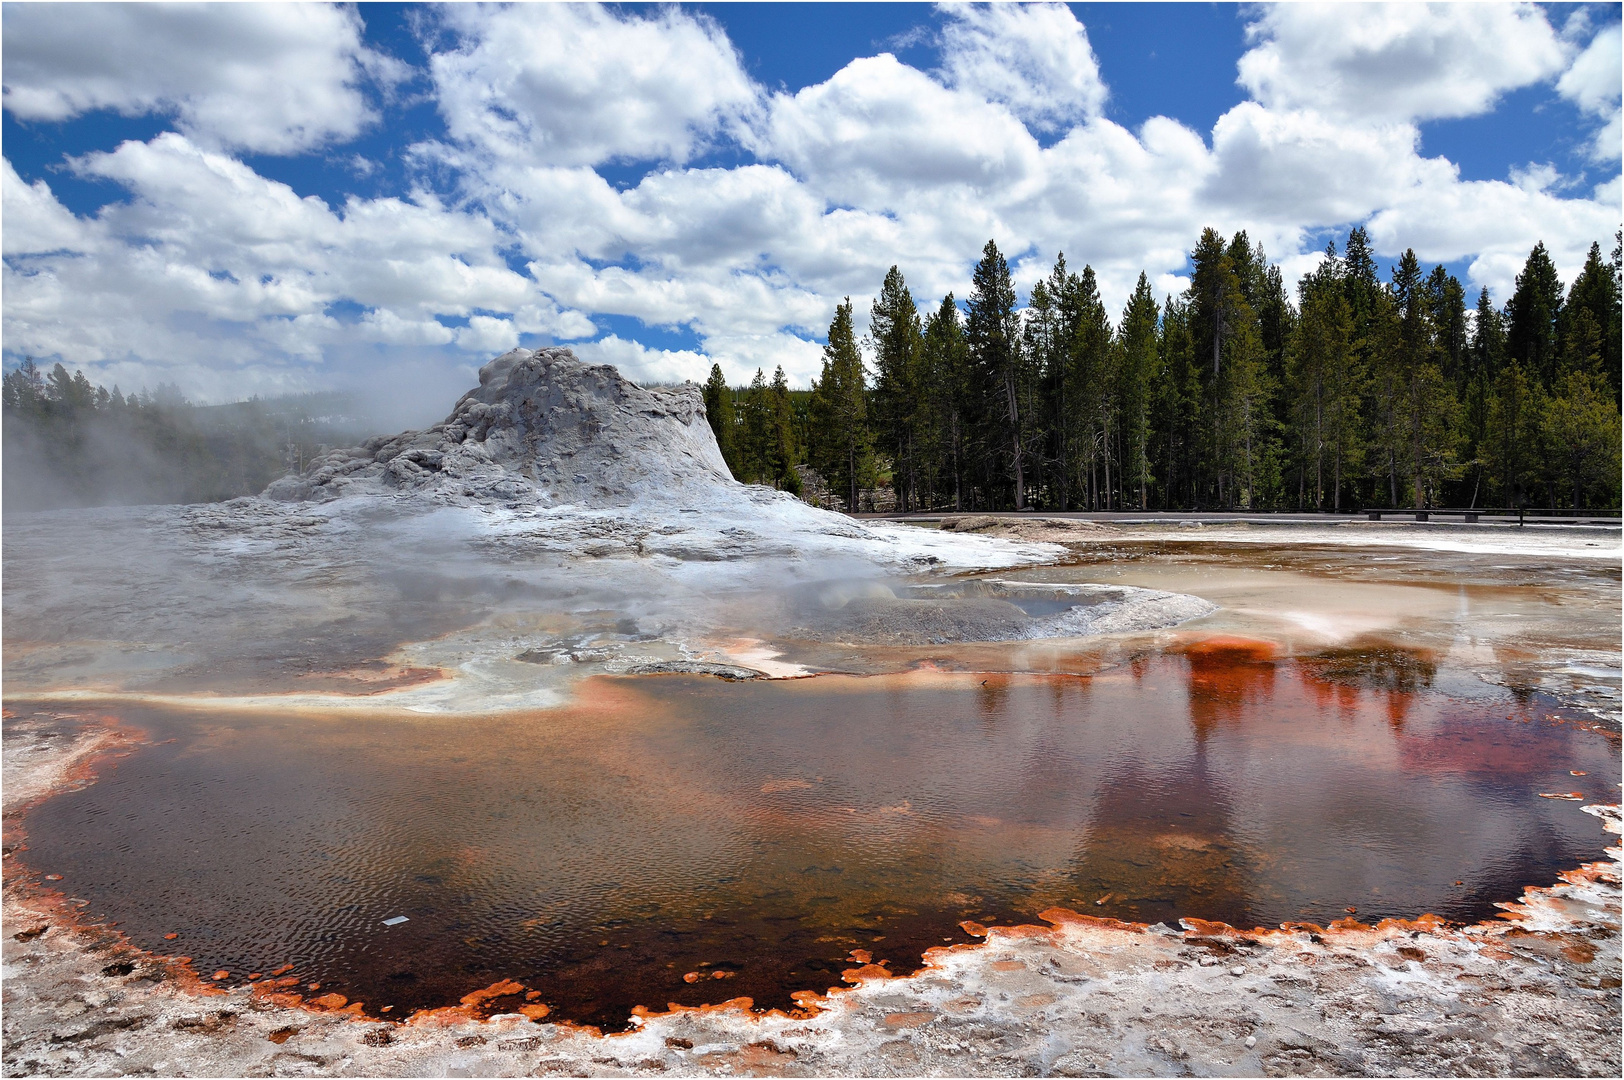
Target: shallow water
674,825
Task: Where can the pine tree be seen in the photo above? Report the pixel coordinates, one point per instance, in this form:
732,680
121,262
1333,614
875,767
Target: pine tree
1238,432
719,413
1417,397
1383,346
1581,429
1589,326
1054,317
755,434
1427,415
1325,383
992,332
1484,357
897,340
946,376
1040,333
784,450
1535,310
1446,309
1136,371
1381,391
842,447
24,389
1089,378
1176,407
1369,304
1360,279
1515,412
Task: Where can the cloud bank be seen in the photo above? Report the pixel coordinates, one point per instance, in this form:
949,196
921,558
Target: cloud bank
750,212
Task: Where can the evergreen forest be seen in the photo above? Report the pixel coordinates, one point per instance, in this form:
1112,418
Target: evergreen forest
1346,392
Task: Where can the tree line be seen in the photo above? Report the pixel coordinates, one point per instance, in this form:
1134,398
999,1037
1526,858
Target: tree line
1349,391
69,442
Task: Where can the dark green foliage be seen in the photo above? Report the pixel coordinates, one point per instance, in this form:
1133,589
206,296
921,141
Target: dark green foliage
945,379
1513,439
719,411
841,441
1446,307
998,375
765,440
1534,312
1589,325
1581,439
898,343
1176,409
1238,452
1137,364
1415,403
1325,385
784,441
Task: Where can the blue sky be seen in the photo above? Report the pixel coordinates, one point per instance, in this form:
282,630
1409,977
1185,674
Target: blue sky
257,200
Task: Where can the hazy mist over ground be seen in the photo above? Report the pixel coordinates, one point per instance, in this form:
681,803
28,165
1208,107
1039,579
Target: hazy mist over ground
67,451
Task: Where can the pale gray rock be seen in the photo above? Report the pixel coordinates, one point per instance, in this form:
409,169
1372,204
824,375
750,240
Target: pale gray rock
543,428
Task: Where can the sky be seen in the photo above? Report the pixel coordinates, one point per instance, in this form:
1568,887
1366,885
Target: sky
243,199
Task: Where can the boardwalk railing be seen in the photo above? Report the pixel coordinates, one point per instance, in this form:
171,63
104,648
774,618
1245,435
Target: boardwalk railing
1472,514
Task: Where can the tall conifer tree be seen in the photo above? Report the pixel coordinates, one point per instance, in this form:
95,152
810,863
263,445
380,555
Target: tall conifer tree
843,446
895,332
719,412
1535,310
1589,326
992,332
946,374
1137,371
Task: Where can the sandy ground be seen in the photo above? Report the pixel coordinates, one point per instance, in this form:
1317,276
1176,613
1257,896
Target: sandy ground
1536,993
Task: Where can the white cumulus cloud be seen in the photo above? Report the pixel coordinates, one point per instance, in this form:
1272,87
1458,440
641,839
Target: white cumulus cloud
1593,83
642,364
1397,62
235,278
271,78
577,84
35,221
1033,58
879,130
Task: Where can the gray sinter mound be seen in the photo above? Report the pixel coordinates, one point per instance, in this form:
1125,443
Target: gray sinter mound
542,428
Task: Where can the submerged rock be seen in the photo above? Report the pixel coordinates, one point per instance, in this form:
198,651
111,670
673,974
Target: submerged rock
542,428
